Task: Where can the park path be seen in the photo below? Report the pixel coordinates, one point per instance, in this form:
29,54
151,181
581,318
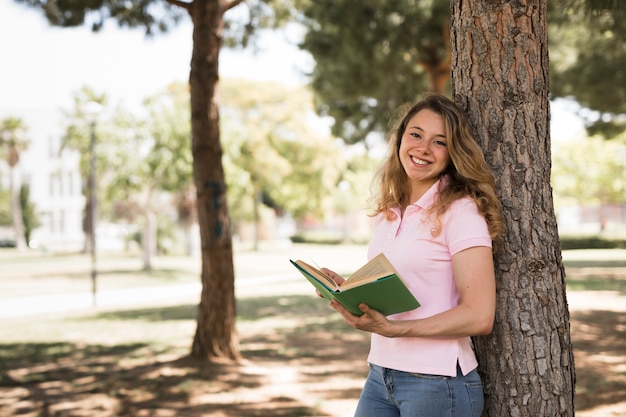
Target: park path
596,300
262,272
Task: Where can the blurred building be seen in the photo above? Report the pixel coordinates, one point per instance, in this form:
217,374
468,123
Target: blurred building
53,175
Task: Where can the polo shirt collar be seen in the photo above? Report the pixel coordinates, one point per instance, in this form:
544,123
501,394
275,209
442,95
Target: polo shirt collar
428,199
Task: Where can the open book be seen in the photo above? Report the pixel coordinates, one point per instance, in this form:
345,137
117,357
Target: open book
376,284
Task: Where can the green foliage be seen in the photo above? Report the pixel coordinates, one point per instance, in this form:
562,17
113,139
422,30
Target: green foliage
270,142
29,215
355,183
169,161
242,24
141,161
371,56
5,208
159,16
591,242
272,146
588,56
13,140
78,129
167,242
142,158
318,237
589,171
151,15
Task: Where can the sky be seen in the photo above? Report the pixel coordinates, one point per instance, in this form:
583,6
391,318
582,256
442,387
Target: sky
42,67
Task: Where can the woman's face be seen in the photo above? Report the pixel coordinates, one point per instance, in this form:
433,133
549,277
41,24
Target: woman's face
424,151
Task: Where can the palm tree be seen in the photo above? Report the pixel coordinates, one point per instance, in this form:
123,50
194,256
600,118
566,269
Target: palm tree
12,143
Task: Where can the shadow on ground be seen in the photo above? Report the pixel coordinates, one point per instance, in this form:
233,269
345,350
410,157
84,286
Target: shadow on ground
298,357
288,343
599,339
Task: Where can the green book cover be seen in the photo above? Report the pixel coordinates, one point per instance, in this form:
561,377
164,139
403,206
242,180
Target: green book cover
382,289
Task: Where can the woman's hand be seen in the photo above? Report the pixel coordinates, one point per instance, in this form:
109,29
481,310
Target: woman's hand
333,275
474,315
371,321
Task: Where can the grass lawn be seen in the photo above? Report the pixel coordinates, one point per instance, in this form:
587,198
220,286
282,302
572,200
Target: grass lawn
299,359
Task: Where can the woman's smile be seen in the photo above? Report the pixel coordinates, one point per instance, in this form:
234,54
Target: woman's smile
424,151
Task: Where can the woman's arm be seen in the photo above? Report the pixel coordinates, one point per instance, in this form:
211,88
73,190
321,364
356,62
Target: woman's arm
474,315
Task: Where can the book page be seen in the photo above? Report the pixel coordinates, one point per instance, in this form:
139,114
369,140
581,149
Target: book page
322,277
378,267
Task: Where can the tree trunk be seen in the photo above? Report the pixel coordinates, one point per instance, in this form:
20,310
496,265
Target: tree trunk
149,239
256,204
188,236
16,209
215,336
500,77
437,69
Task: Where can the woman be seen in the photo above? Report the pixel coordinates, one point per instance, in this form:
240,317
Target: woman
436,216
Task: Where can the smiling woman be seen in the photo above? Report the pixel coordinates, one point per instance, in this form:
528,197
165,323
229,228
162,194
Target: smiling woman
436,216
424,151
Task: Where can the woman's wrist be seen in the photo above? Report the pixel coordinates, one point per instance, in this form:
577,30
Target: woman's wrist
399,328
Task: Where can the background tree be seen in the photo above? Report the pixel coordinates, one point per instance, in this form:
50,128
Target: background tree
141,192
12,143
5,210
250,141
500,77
29,215
587,57
354,187
590,171
275,153
369,59
169,164
77,137
134,191
371,56
215,336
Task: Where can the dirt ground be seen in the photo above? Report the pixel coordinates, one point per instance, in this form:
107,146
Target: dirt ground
298,369
599,339
297,362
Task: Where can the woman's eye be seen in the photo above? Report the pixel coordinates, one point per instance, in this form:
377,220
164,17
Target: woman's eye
440,143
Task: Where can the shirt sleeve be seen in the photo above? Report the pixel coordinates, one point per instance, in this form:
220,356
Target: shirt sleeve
464,227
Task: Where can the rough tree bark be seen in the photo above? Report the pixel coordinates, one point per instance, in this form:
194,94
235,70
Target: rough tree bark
500,77
215,337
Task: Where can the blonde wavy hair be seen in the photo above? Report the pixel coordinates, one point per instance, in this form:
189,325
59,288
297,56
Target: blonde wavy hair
467,173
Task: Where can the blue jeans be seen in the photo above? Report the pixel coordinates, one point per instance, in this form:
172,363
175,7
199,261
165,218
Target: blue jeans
391,393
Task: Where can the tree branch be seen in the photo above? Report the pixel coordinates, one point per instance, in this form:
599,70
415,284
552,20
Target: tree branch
227,5
184,5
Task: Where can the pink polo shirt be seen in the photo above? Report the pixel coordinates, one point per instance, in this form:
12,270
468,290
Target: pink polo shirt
425,264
